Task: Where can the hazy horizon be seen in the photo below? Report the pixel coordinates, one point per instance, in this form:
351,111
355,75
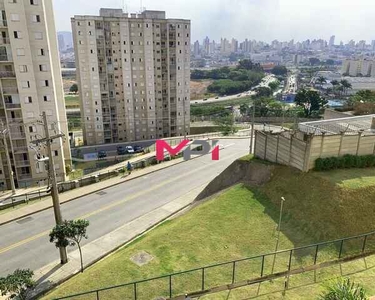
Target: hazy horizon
264,20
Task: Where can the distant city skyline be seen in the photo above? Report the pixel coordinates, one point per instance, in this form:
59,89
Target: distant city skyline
264,20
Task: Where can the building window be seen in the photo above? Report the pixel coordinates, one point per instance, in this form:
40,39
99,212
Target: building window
33,2
28,99
25,84
43,68
23,68
41,52
15,17
17,34
35,18
49,112
46,98
38,35
30,115
20,51
44,83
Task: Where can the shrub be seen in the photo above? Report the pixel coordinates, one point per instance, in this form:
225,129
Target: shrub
346,161
343,289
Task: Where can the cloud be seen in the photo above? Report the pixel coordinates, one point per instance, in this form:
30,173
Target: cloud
254,19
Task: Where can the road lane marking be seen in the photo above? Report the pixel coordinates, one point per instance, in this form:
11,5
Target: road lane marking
32,238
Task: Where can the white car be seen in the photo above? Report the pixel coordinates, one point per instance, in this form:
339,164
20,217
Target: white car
129,149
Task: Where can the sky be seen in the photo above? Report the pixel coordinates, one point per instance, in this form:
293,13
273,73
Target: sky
264,20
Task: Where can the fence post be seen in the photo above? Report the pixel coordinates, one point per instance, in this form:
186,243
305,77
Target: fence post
316,254
135,291
39,194
202,279
26,199
290,260
97,295
341,245
170,286
234,271
364,244
262,268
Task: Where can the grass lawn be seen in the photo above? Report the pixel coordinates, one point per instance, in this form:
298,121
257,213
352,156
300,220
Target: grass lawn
232,226
72,101
351,178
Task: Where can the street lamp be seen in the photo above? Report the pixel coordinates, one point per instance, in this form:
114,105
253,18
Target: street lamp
278,232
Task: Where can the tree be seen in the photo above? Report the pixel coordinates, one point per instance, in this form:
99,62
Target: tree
335,82
330,62
310,101
279,70
346,85
314,61
274,85
226,124
263,91
343,289
74,88
18,284
320,80
244,109
70,233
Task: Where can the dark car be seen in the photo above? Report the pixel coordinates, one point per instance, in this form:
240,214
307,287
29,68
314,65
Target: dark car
102,154
121,150
138,149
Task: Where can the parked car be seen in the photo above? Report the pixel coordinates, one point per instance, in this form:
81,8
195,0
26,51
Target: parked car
138,149
205,99
102,154
129,149
217,97
121,150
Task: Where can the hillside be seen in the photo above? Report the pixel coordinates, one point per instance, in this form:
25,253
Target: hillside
325,205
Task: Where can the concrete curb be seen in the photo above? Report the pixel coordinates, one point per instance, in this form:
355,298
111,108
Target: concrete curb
151,227
89,193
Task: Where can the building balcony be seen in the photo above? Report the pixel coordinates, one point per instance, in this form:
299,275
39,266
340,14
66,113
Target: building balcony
9,90
22,163
3,23
15,120
4,41
5,58
12,105
20,149
7,74
17,135
24,176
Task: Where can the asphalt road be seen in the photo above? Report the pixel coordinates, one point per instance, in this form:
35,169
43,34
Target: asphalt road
25,244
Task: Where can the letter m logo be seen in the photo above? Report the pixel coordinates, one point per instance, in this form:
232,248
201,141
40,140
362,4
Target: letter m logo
162,146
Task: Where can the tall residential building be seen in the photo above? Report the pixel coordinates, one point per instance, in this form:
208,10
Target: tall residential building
134,75
206,45
30,83
61,42
197,50
332,41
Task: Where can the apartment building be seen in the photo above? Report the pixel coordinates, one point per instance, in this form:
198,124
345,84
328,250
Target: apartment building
30,83
133,75
358,67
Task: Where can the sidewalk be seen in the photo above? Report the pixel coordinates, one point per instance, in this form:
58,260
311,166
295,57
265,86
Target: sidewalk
54,273
18,213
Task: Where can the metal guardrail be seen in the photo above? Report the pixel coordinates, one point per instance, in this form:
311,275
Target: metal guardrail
203,278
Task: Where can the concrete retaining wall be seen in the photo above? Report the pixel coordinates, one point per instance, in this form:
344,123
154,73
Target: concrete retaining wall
251,173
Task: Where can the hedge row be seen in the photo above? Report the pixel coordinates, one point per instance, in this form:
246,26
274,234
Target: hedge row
346,161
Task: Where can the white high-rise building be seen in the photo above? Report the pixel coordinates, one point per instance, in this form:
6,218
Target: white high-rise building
30,83
332,41
133,75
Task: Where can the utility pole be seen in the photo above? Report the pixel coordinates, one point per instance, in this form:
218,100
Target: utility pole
4,132
278,232
51,170
252,128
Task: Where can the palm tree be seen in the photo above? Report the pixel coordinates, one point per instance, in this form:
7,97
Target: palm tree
321,80
346,85
335,82
344,289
